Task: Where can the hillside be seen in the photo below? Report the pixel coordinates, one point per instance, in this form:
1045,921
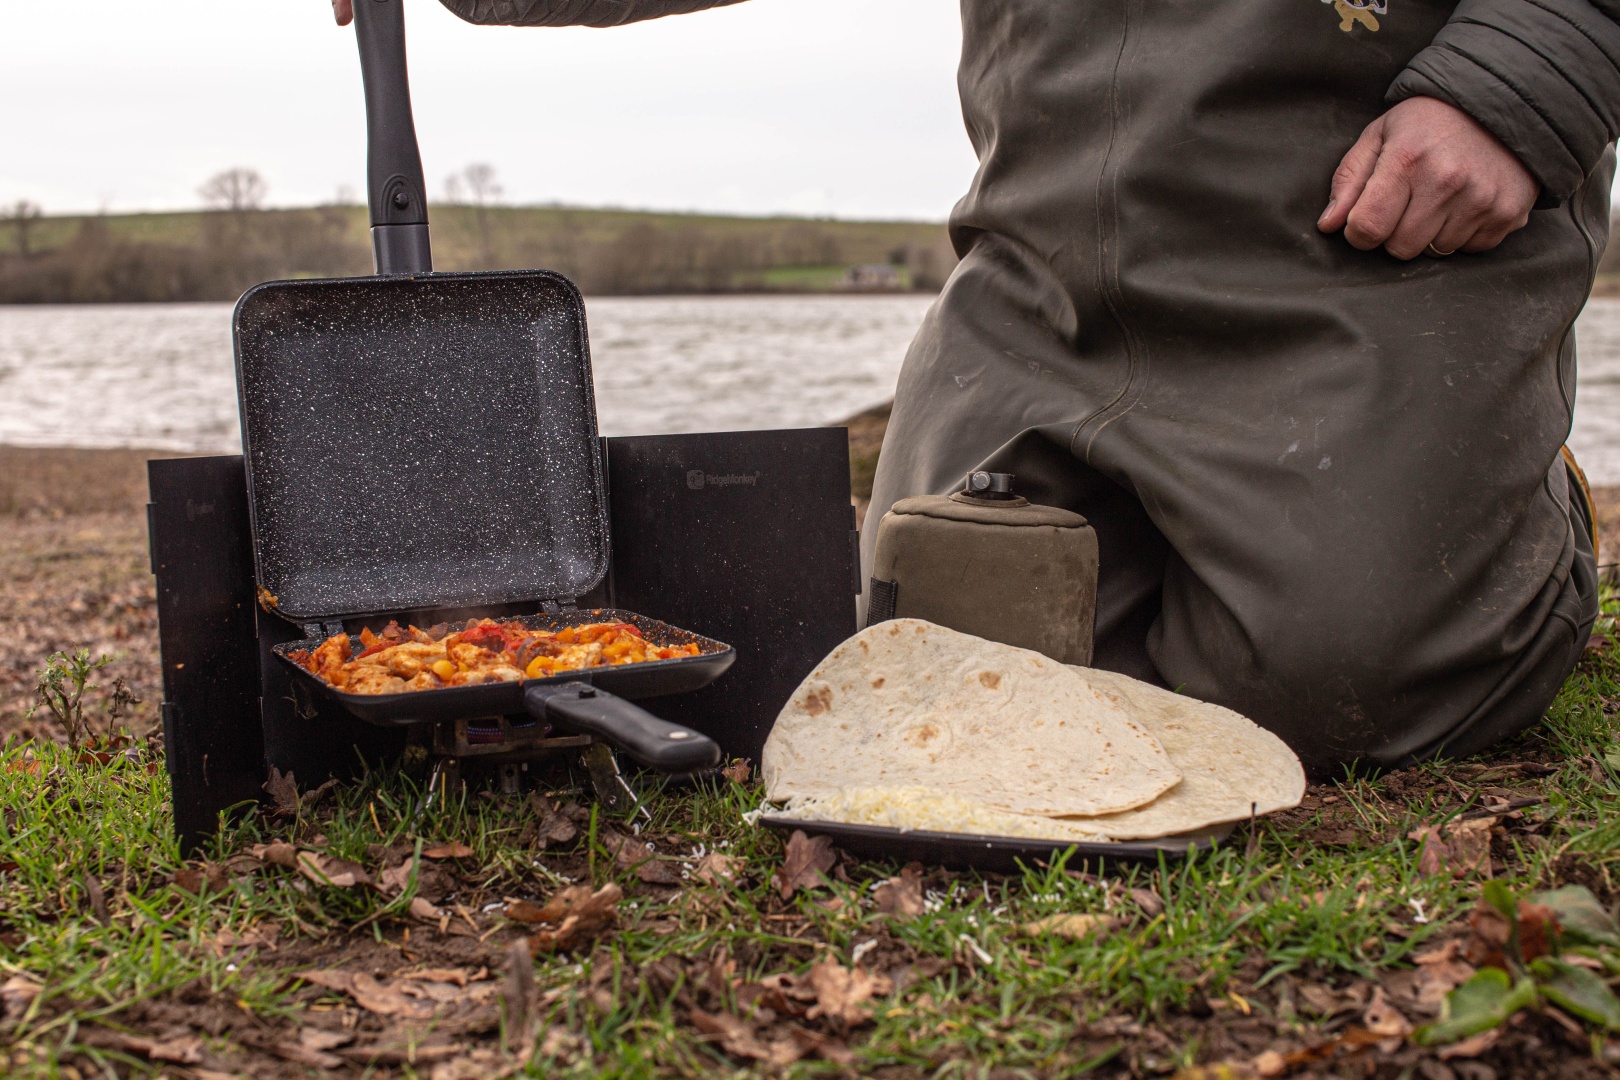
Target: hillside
214,255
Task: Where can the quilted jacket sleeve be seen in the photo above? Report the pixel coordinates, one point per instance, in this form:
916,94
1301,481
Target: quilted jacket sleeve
573,12
1541,75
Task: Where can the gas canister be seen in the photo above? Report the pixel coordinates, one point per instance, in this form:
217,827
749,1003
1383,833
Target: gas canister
985,561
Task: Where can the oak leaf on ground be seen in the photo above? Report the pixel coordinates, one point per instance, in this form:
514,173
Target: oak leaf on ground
717,868
1458,848
638,857
804,863
570,920
901,896
738,1038
842,993
210,877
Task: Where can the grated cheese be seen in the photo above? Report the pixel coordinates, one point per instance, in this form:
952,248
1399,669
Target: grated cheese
908,808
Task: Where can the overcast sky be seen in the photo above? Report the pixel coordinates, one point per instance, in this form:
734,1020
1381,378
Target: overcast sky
826,107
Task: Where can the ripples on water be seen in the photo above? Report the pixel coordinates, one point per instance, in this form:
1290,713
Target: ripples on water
160,375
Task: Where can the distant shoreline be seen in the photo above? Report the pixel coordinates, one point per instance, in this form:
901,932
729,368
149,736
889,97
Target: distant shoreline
217,255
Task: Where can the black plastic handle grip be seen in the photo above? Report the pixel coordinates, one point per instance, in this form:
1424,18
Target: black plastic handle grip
639,733
398,195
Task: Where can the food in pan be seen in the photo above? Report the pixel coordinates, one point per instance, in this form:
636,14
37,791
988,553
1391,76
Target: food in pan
482,651
907,703
1229,766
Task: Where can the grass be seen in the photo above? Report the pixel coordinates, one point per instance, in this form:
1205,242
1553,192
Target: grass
1208,960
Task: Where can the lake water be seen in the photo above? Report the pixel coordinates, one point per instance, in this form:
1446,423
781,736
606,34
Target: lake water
161,375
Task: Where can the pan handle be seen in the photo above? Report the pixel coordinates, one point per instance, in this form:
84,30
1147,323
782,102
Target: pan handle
398,195
643,736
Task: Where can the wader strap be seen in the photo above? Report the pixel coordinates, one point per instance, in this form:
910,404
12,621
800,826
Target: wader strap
880,605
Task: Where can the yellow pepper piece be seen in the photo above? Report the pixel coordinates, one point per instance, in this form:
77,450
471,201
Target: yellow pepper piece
444,669
540,667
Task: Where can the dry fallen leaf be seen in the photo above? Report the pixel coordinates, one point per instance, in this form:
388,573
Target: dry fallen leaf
1327,1002
1439,971
1270,1063
553,826
185,1050
1385,1020
407,1052
737,771
382,998
638,857
260,936
1150,902
16,994
329,870
573,918
1073,927
737,1037
841,992
283,790
211,877
317,1039
1471,1047
458,976
277,853
453,850
1460,848
901,896
1491,932
308,1056
803,864
717,868
424,910
479,1064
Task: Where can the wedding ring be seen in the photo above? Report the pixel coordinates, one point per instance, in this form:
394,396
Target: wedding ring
1437,253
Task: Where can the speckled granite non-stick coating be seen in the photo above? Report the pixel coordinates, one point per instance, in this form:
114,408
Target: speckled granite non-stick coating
420,442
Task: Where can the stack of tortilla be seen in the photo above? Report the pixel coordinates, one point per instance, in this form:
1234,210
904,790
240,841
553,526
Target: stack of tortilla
916,726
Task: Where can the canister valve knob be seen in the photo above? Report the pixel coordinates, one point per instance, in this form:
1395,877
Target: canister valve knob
990,485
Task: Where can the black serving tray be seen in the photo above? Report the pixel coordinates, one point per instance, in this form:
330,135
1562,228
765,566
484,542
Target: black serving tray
997,854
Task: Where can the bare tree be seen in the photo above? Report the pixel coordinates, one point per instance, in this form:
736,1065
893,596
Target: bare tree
483,191
454,193
481,184
235,189
23,216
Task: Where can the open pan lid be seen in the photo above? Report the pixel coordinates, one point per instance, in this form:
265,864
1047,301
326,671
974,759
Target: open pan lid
419,442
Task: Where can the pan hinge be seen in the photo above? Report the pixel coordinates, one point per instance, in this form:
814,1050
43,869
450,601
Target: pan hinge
312,631
562,603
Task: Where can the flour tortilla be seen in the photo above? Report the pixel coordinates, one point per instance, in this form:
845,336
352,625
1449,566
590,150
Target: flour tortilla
1228,763
907,703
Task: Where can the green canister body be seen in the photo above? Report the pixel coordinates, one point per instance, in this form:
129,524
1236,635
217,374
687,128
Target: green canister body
1002,569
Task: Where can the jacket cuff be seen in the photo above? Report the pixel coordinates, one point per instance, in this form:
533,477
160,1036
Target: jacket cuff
1543,76
572,12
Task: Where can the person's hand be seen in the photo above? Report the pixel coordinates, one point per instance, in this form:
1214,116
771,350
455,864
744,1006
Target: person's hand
1426,177
343,11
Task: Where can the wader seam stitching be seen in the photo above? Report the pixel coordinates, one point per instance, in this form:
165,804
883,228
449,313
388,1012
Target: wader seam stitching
1572,205
1102,252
